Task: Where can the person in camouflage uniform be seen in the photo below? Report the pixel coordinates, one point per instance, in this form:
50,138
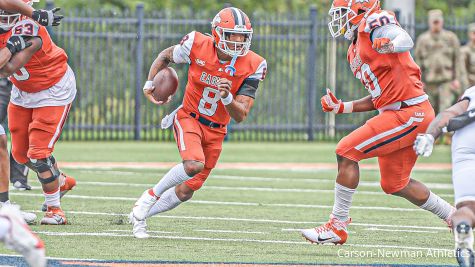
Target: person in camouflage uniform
468,56
438,53
18,172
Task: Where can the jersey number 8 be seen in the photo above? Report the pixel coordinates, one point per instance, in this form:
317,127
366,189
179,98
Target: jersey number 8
209,102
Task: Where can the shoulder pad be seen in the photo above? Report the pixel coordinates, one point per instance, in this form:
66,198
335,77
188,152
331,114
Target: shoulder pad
378,19
26,27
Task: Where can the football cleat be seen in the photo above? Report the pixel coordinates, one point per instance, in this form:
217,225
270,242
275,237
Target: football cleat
464,245
21,239
67,183
334,231
54,216
21,186
29,217
139,227
144,204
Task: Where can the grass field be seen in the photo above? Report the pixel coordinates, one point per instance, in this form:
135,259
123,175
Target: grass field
242,214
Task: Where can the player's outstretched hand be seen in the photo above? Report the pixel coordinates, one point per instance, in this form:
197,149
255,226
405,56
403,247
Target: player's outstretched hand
17,43
331,104
424,145
383,45
47,17
224,87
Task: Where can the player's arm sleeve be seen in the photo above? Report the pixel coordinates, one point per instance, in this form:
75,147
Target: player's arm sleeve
250,85
401,40
182,51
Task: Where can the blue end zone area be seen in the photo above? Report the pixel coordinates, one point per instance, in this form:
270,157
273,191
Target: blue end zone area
18,261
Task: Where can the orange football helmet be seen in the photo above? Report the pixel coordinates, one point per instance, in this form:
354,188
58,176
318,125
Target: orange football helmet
8,20
346,15
229,21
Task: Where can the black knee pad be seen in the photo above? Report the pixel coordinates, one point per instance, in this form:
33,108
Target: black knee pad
44,165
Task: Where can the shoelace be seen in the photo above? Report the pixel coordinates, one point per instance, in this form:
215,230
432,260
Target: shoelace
325,228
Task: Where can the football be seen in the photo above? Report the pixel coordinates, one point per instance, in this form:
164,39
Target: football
166,84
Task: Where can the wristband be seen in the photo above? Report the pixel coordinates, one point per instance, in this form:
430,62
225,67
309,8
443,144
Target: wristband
348,107
148,84
228,100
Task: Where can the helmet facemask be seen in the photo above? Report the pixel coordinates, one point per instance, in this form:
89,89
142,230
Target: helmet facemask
8,20
344,20
233,48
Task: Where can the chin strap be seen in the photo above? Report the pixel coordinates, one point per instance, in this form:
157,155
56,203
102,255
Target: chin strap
230,69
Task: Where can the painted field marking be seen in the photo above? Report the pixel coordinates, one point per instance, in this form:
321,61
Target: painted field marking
229,203
374,229
244,165
254,220
262,189
229,231
234,240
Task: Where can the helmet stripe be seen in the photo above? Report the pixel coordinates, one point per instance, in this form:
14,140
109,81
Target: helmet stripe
244,17
237,16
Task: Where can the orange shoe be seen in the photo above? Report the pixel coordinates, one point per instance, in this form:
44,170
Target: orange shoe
66,183
54,216
334,231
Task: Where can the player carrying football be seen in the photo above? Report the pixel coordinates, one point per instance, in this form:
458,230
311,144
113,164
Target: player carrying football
222,82
461,119
44,87
378,56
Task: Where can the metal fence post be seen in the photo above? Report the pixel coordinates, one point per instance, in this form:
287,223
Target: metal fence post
138,70
311,73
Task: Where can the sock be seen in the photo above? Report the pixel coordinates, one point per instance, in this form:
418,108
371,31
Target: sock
343,199
168,201
438,206
4,197
173,177
5,225
52,198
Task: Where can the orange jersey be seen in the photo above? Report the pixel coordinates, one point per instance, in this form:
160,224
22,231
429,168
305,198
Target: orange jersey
47,66
389,78
201,94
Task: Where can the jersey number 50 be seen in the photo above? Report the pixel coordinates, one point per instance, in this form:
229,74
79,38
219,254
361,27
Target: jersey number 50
372,83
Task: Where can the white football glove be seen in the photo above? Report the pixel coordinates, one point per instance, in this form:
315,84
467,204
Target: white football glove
424,145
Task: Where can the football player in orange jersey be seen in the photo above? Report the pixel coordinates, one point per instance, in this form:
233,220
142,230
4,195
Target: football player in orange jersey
222,82
44,87
379,57
14,45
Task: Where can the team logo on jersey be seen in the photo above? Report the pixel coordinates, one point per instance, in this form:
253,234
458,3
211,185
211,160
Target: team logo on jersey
200,62
220,70
419,114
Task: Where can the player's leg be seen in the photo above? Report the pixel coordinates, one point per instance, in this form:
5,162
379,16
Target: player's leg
335,231
188,136
4,167
395,180
19,133
44,131
17,236
18,172
381,135
463,220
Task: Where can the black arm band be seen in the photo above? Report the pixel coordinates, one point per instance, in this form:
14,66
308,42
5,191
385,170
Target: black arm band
249,88
457,123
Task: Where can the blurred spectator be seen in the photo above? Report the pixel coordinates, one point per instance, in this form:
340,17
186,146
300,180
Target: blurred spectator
468,55
438,54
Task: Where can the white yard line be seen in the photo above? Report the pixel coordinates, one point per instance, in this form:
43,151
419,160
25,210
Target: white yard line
229,203
399,230
229,231
259,189
234,240
254,220
152,232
